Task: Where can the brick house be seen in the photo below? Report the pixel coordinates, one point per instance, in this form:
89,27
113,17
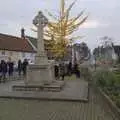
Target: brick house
16,48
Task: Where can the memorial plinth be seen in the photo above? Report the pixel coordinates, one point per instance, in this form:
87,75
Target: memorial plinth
40,74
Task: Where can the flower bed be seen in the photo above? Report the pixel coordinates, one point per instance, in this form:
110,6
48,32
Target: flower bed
109,82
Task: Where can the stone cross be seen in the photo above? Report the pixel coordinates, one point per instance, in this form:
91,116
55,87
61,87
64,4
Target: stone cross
40,21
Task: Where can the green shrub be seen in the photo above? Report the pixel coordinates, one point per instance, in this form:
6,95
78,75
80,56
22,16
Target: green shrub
104,78
110,83
118,102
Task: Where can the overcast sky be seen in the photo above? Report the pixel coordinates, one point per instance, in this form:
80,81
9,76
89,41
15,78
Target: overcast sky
104,18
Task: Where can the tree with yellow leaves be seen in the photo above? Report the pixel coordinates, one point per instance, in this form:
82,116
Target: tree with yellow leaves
61,29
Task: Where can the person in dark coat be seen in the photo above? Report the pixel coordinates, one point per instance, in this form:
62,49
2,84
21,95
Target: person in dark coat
19,67
62,70
69,68
0,73
3,65
24,66
76,70
56,71
10,68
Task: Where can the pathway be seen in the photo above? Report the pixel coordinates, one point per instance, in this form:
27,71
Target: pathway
11,109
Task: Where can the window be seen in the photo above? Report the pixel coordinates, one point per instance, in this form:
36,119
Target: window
23,54
3,52
32,55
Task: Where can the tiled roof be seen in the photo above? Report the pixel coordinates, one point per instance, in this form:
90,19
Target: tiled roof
12,43
34,42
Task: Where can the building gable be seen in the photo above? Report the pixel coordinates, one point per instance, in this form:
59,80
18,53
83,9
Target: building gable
12,43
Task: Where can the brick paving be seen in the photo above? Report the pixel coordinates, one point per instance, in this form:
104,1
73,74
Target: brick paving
17,109
12,109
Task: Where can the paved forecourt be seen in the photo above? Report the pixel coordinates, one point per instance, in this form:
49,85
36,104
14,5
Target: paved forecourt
94,109
73,90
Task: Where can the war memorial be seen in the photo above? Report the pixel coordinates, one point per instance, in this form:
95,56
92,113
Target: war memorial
38,95
40,81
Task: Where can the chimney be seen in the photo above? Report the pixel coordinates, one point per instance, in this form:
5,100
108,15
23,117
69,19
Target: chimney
22,33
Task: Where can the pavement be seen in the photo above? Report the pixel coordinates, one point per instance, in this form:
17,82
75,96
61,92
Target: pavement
74,90
28,109
19,109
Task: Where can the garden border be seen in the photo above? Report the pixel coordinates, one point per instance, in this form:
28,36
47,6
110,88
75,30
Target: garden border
109,102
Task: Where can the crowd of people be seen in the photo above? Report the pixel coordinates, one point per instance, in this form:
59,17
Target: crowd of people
62,70
8,68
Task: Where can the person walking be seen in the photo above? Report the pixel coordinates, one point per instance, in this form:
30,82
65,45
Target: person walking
62,70
19,67
70,68
56,67
24,66
10,68
76,70
3,65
